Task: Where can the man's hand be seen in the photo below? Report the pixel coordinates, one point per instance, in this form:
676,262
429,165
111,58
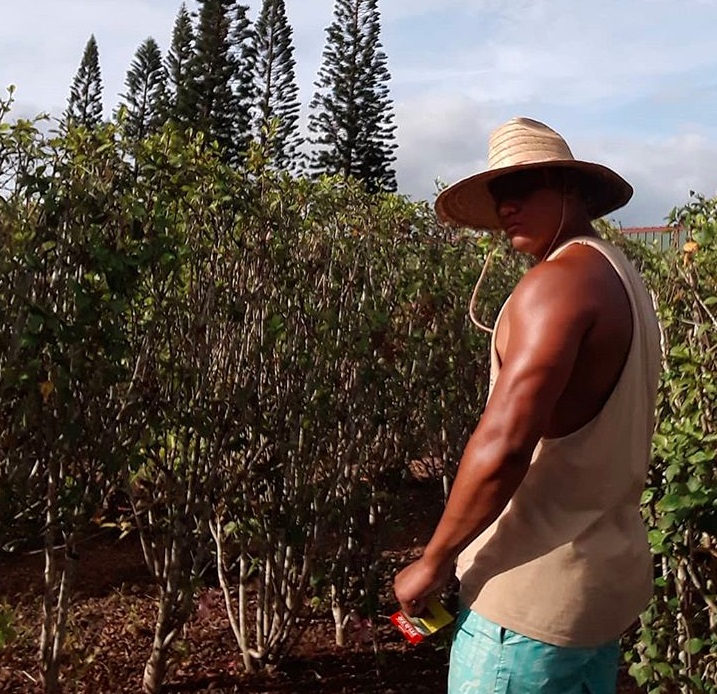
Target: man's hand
418,581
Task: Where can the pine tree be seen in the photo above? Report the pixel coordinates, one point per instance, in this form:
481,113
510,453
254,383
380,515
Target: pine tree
84,105
178,65
275,80
376,149
210,73
352,113
145,99
221,75
244,56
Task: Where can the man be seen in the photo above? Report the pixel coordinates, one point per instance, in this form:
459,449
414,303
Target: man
543,516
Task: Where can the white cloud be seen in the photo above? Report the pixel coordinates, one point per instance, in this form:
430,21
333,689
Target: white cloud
559,50
663,171
441,137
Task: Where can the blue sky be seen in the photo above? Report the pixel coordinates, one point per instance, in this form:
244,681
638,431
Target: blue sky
629,83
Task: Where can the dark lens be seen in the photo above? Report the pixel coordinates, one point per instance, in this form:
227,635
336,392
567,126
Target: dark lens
515,186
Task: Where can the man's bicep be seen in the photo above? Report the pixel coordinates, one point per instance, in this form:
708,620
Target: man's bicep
547,327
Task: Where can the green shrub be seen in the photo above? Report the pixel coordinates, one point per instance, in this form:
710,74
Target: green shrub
677,638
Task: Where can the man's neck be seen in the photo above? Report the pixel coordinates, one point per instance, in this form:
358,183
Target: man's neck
570,231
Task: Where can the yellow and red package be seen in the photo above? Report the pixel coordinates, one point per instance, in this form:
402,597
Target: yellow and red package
415,629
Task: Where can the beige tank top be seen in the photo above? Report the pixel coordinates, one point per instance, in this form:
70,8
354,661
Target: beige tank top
568,562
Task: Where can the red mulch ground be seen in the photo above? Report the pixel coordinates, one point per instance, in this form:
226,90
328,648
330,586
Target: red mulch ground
111,628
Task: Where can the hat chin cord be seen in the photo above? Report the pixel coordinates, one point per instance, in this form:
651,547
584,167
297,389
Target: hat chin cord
476,291
489,258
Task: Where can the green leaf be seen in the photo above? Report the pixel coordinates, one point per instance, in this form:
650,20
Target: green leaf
641,673
672,471
670,502
680,352
660,441
664,669
694,646
667,521
702,457
657,540
647,496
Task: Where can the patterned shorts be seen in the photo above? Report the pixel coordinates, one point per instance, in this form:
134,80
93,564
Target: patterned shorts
489,659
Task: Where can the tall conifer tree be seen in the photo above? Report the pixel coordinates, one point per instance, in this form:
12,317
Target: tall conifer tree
84,105
145,98
210,73
213,72
352,115
221,75
275,80
376,149
178,65
244,55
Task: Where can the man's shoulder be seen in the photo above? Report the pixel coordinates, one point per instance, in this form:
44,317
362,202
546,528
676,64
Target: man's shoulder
572,279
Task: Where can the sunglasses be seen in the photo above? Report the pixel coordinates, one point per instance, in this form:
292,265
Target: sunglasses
520,184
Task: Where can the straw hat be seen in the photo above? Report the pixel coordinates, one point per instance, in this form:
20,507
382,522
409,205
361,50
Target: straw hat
523,143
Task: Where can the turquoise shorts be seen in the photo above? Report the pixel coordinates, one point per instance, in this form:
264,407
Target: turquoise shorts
488,659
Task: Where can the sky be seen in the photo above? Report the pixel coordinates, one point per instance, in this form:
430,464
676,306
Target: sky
631,84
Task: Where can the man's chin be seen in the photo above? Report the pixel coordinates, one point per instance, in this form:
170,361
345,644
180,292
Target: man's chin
522,244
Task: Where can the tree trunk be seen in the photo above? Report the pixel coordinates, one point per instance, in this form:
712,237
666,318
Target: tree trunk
155,668
56,602
175,604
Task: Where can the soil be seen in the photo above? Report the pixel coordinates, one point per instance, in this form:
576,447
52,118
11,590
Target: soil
110,631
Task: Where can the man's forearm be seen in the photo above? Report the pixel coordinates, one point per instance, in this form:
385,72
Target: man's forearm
487,478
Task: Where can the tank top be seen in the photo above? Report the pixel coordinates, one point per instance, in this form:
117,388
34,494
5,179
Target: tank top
567,562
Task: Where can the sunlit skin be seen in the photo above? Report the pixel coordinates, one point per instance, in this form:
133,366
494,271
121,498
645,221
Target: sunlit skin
562,343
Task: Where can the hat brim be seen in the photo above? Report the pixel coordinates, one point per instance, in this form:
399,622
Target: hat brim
468,202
